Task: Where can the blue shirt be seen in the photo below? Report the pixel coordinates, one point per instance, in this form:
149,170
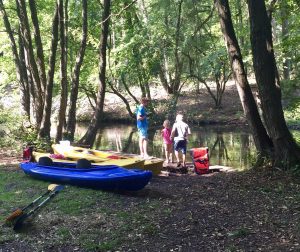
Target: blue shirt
141,111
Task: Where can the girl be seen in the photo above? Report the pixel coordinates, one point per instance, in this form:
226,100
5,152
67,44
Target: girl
166,135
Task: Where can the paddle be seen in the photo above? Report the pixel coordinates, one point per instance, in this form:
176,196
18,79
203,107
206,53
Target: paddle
21,218
15,214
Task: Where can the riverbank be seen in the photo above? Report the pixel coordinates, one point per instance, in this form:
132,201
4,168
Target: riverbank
198,107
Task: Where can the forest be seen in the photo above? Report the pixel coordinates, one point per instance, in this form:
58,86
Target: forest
59,58
139,44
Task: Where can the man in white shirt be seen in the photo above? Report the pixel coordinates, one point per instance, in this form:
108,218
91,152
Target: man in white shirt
180,132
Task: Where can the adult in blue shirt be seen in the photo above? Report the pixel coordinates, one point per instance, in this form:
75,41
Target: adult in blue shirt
142,125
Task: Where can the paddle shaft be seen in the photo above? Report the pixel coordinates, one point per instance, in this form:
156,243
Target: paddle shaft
36,200
24,216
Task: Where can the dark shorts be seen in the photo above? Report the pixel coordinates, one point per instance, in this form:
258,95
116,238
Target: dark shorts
180,145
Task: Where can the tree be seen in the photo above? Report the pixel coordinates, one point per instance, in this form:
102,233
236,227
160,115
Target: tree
44,131
71,123
286,150
260,136
91,133
31,62
63,72
39,45
19,64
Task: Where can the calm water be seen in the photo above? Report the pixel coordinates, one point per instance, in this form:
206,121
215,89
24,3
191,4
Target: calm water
228,148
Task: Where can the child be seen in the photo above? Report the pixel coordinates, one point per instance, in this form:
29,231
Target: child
142,125
166,135
180,132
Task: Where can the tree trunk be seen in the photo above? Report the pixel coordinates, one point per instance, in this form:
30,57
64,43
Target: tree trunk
287,152
178,61
24,80
63,73
26,34
71,123
46,122
285,36
261,139
24,94
91,133
39,45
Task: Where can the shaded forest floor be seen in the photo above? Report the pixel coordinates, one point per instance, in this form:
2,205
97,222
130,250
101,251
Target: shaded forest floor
233,211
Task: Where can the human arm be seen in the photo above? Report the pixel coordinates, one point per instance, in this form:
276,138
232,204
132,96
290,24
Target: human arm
173,131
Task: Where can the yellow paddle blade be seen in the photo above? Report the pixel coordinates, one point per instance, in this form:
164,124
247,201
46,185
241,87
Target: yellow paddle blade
52,187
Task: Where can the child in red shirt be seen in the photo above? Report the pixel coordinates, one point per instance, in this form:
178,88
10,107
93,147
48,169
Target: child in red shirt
167,141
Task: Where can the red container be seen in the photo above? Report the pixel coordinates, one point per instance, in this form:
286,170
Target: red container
200,159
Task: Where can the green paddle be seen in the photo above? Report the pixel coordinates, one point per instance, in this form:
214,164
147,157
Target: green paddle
20,220
15,214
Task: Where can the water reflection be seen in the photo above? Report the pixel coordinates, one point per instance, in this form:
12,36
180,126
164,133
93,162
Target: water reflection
228,148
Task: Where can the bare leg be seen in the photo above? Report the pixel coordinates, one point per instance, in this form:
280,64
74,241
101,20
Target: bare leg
177,157
144,146
169,153
183,160
166,152
141,146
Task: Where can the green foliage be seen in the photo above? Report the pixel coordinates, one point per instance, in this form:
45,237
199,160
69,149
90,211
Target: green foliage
14,133
239,233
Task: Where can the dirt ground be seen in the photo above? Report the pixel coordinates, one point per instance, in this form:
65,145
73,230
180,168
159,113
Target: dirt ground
255,210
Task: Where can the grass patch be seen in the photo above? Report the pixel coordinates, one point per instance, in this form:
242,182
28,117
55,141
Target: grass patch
239,233
93,220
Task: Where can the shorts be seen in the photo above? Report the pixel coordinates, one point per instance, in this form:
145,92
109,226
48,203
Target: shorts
143,132
180,145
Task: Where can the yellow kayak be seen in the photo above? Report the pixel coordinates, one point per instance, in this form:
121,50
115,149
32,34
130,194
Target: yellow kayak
126,163
153,164
97,157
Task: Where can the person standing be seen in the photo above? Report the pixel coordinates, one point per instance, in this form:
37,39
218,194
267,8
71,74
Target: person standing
180,132
167,141
142,125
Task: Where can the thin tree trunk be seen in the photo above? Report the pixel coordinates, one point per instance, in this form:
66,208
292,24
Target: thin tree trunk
261,139
63,73
39,45
24,83
71,123
46,122
178,63
26,34
285,35
91,133
123,98
287,152
20,73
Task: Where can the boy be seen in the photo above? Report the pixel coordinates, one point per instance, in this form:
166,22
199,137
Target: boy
180,132
142,125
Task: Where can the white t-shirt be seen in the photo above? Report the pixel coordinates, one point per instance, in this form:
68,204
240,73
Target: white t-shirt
183,130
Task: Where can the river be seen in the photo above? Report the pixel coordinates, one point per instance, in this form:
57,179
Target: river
234,148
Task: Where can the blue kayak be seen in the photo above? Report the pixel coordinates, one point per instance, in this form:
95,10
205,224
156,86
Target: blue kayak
107,177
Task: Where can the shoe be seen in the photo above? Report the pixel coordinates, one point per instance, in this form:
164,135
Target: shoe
178,164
